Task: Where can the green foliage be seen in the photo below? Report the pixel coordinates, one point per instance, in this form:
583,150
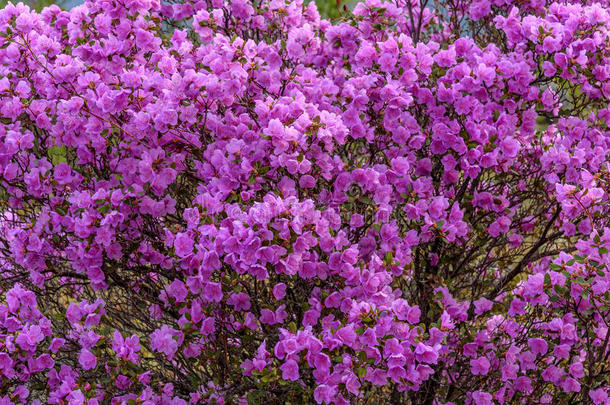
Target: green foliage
333,8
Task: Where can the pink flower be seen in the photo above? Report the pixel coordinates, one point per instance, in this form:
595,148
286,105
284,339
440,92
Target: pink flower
307,181
517,307
29,337
509,372
87,360
510,147
56,344
366,54
523,384
77,398
438,208
562,351
166,340
325,394
177,290
577,370
62,173
240,301
480,366
552,374
501,225
482,398
347,335
426,353
73,313
279,291
446,321
290,370
267,316
570,385
212,292
598,396
183,245
413,315
538,346
482,305
376,376
515,240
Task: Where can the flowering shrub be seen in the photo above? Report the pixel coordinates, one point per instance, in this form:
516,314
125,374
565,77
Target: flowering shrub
235,201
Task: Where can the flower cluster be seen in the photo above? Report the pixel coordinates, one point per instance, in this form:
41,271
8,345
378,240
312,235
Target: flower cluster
236,201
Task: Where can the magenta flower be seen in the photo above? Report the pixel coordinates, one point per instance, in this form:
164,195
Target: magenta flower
290,370
482,398
387,198
570,385
62,173
598,396
177,290
29,337
213,292
87,360
325,394
183,245
166,340
279,291
479,365
538,346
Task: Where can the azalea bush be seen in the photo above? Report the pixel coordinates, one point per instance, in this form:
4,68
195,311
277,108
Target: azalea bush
236,201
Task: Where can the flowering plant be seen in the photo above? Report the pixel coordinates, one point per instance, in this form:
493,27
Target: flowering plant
236,201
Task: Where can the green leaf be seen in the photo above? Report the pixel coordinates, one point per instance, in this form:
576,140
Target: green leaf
361,372
57,154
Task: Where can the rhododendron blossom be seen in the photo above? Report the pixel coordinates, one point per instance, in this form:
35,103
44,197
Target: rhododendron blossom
237,201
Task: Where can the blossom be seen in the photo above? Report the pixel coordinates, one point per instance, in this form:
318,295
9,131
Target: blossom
480,366
177,290
482,305
374,199
290,370
279,291
598,396
183,244
62,173
73,313
213,292
165,340
570,385
577,370
482,398
324,394
426,353
538,345
29,337
241,301
87,360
